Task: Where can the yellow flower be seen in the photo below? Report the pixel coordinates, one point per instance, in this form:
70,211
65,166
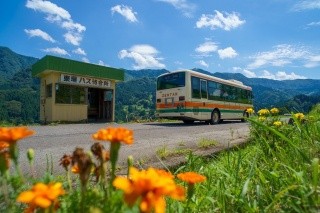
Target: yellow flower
274,111
151,186
41,195
299,116
262,118
114,135
250,111
277,123
191,177
263,112
12,134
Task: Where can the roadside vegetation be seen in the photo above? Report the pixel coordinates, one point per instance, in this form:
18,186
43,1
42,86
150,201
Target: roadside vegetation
277,171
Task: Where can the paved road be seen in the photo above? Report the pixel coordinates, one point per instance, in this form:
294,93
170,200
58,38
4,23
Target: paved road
54,141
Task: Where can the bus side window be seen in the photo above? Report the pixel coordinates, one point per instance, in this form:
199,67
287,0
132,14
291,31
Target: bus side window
195,87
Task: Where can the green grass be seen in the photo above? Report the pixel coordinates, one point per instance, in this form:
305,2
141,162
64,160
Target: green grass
206,143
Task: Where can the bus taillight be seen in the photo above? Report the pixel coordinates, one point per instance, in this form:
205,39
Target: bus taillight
181,98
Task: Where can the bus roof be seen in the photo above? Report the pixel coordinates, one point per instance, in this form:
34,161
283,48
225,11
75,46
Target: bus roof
230,82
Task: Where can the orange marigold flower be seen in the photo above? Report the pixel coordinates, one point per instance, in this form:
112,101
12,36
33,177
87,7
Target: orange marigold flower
3,145
191,177
151,186
75,169
114,135
12,134
41,195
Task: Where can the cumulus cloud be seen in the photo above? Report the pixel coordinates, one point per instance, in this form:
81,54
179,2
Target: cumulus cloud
60,16
281,55
56,50
126,12
203,63
79,51
184,6
226,21
206,48
144,56
39,33
306,5
73,38
228,52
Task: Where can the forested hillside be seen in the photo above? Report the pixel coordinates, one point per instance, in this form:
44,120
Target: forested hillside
135,97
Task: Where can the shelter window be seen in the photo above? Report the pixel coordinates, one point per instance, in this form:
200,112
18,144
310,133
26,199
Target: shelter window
49,91
68,94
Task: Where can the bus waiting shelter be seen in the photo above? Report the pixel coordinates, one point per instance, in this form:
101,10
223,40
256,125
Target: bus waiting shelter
74,91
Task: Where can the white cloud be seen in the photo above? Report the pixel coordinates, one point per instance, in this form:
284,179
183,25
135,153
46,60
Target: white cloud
306,5
281,75
248,73
144,56
49,8
73,38
203,63
70,25
60,16
85,59
228,52
225,21
56,50
101,63
79,51
126,12
39,33
314,23
282,55
206,48
184,6
313,61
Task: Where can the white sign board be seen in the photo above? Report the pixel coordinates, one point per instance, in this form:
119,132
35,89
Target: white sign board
84,81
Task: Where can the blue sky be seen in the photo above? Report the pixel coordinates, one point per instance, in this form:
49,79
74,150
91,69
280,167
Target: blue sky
276,39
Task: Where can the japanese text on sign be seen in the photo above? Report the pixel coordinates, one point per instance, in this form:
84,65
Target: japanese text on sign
85,81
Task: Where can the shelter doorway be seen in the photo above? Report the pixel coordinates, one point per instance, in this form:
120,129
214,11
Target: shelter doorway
100,105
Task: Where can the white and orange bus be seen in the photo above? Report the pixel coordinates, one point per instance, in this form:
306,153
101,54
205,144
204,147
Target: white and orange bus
192,96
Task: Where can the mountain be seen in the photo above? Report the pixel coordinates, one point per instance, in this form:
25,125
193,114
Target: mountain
11,62
135,97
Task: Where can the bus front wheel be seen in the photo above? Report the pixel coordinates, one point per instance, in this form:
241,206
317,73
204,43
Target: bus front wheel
245,115
215,117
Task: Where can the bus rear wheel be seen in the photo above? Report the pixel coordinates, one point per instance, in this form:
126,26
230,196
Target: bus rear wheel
215,117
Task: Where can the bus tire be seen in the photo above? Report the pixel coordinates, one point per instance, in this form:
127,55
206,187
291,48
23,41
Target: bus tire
245,115
215,117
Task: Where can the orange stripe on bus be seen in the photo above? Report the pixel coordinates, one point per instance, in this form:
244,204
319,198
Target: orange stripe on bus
201,105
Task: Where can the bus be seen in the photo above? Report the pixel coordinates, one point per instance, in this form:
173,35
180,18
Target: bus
193,96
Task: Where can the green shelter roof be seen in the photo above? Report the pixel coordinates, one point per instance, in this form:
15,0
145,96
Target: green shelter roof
53,63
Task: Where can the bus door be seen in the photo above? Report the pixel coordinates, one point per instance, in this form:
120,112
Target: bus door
204,99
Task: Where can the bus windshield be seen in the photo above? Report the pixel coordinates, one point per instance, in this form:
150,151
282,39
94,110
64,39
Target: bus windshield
172,80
